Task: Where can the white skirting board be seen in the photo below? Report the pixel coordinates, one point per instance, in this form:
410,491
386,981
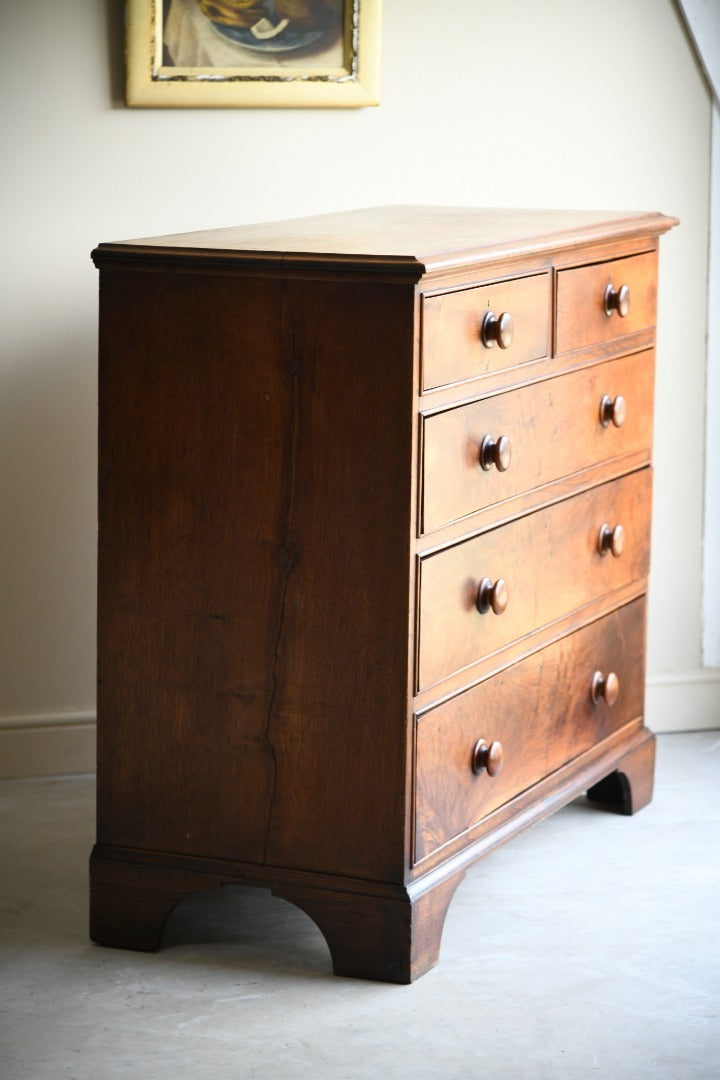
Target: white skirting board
53,744
49,744
683,700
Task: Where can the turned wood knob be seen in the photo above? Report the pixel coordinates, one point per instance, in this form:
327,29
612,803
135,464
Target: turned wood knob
614,411
495,452
612,540
492,595
486,758
605,688
616,300
497,328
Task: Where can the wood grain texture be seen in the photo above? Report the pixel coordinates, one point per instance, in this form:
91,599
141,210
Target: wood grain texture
341,715
581,319
385,933
186,637
291,676
384,939
540,710
551,565
554,430
452,349
425,239
239,639
630,744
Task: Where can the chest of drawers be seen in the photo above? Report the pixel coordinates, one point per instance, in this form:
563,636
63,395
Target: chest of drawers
374,513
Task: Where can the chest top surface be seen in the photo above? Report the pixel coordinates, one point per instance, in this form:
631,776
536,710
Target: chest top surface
413,239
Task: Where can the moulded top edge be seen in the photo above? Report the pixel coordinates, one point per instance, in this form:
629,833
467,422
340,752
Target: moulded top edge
189,257
401,239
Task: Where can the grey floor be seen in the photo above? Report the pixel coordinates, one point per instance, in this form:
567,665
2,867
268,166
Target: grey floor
589,946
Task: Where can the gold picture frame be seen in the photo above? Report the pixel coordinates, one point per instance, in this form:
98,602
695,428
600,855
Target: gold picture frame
178,55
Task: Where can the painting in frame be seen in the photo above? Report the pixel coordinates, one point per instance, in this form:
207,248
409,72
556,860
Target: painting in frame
252,53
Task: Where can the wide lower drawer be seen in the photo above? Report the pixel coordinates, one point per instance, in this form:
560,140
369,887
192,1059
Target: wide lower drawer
454,347
535,716
480,595
488,451
591,306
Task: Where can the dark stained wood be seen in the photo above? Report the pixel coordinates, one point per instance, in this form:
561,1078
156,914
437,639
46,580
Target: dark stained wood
550,563
395,932
581,318
554,429
288,668
130,901
191,435
542,712
630,786
340,719
225,529
488,758
393,939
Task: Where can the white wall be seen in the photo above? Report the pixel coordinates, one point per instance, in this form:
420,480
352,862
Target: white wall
519,103
703,20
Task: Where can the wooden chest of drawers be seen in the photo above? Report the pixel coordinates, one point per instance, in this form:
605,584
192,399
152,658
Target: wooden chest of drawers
374,518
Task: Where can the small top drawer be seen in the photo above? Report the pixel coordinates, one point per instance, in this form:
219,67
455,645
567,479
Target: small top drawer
604,301
457,329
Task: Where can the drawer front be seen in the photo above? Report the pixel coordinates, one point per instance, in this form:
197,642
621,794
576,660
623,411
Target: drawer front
581,318
551,564
552,429
452,345
542,713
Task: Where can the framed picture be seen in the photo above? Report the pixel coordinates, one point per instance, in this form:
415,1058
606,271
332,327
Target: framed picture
252,53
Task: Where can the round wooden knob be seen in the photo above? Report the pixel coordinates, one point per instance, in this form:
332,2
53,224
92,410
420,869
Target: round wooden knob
616,300
495,452
614,411
612,540
497,328
605,688
492,595
486,758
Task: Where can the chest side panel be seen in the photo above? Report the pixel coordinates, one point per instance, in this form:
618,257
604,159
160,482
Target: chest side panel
193,431
255,503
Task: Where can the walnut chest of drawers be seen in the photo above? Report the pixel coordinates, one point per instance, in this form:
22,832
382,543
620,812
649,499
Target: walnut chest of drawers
374,519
